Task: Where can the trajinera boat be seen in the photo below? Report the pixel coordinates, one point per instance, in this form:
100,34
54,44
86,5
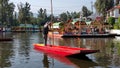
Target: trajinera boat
63,50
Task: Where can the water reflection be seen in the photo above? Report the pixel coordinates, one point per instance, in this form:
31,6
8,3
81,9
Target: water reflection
77,62
83,42
6,53
20,53
45,61
109,55
83,63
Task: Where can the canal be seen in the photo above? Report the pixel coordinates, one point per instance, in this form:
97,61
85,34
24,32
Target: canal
20,52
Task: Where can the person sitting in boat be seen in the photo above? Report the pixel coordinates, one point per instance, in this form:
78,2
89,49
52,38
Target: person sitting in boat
45,32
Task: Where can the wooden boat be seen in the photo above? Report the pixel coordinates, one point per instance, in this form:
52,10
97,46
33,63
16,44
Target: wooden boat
6,39
63,50
57,35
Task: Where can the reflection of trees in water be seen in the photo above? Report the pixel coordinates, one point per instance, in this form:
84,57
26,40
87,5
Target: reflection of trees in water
6,52
23,44
24,48
109,50
5,34
115,49
92,43
109,55
73,42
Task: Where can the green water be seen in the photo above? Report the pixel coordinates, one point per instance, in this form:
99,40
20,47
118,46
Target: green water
20,52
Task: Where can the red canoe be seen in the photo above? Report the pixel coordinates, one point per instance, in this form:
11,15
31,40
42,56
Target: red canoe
63,50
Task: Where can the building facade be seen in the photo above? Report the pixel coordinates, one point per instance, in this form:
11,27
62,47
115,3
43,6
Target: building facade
115,11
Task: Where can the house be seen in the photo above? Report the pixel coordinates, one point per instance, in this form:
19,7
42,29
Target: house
114,12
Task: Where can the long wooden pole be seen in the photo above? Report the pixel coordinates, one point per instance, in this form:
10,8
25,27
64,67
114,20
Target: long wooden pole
52,21
51,11
52,27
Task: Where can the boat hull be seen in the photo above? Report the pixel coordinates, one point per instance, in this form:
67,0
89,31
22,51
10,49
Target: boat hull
91,35
6,39
63,50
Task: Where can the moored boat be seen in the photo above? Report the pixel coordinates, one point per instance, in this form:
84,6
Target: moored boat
6,39
91,35
54,35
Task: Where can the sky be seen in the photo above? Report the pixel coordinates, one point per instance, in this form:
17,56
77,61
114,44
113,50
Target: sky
59,6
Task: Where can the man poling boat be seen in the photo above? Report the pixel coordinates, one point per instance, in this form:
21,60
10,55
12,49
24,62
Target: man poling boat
59,50
45,32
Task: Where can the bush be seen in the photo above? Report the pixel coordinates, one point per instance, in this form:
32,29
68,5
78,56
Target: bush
118,23
111,20
116,26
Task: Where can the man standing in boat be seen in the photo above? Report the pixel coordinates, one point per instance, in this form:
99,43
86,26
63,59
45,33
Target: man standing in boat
45,32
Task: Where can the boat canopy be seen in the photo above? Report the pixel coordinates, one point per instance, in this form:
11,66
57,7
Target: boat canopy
56,24
28,26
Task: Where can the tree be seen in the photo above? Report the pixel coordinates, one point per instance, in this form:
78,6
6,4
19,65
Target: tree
86,12
67,15
102,6
10,10
117,2
24,13
15,21
63,17
6,12
75,15
117,24
42,16
33,20
111,21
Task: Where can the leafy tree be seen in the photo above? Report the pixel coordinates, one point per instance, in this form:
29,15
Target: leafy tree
33,20
42,16
10,10
86,12
117,2
67,16
117,24
24,13
63,17
103,5
6,12
75,15
111,20
15,21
